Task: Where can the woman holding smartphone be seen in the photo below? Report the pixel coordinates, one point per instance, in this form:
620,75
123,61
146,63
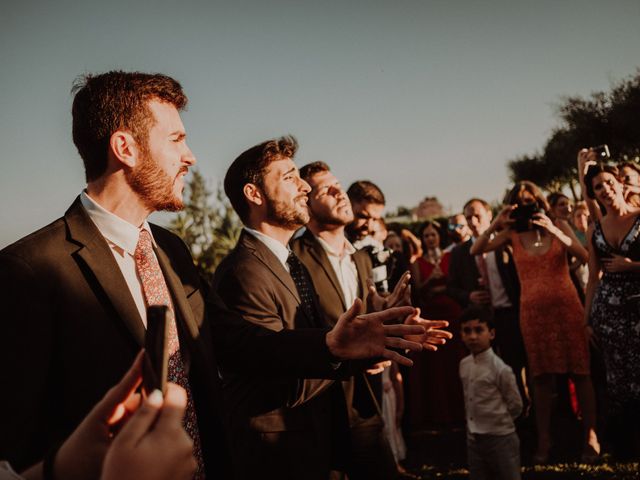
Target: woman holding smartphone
551,314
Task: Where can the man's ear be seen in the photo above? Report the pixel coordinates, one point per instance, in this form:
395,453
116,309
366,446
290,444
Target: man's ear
253,194
124,148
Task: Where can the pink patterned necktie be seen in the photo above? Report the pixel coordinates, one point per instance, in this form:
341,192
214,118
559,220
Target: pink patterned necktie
156,293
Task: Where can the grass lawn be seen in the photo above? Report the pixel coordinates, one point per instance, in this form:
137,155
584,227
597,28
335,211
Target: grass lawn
618,471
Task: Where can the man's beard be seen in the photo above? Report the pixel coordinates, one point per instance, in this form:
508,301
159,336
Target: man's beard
154,186
331,219
285,214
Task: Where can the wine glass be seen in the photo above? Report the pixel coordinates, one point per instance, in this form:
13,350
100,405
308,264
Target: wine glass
538,242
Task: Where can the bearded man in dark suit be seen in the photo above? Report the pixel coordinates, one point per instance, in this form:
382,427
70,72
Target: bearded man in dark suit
282,427
75,293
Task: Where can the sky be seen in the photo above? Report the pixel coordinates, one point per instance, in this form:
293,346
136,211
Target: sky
424,98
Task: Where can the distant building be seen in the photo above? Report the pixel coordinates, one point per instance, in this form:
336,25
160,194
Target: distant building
430,207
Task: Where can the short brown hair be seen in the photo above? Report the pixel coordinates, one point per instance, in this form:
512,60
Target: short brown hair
310,169
250,167
365,191
484,203
116,100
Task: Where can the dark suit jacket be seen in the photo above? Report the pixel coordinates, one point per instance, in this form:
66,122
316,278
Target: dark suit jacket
70,329
265,410
361,391
464,274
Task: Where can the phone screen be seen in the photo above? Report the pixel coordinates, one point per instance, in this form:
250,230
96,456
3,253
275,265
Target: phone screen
156,361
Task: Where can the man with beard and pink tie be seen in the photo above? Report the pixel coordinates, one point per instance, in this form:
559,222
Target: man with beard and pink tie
75,293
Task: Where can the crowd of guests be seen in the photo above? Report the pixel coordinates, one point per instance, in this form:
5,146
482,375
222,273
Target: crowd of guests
325,333
559,283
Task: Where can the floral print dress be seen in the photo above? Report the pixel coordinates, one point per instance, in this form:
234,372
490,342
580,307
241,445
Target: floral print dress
615,318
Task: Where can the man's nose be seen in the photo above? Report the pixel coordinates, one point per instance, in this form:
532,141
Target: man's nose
188,157
304,186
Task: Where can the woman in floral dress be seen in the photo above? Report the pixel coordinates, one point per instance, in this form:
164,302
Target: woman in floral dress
613,301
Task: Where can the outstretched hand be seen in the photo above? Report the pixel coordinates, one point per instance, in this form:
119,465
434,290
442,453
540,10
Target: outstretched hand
400,297
360,336
433,335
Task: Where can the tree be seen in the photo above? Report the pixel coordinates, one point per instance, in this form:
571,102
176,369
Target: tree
209,228
604,117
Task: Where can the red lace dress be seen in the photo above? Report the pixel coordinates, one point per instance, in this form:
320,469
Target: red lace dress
433,391
551,315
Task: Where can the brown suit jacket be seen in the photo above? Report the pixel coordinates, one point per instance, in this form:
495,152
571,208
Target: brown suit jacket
278,425
359,390
70,329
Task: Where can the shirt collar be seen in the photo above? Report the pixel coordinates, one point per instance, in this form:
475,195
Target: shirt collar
348,248
277,248
116,230
484,357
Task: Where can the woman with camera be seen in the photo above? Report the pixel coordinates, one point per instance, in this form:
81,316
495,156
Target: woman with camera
551,314
613,301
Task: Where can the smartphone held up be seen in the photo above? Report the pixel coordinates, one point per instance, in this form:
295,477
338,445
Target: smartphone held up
156,359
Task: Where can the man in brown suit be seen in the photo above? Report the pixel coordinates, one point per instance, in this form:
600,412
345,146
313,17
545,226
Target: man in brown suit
280,427
340,274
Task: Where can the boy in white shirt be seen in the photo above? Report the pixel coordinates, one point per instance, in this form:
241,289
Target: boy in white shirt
492,402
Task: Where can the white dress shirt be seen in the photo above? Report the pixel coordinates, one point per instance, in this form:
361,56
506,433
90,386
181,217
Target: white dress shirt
499,297
344,268
491,396
122,238
278,249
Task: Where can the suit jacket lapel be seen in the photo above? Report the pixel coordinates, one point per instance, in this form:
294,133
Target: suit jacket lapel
321,257
266,256
96,254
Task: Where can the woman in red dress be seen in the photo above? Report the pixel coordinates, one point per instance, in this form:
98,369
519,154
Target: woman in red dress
551,314
434,394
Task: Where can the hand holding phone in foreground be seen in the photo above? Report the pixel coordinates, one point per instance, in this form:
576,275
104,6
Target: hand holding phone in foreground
152,443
